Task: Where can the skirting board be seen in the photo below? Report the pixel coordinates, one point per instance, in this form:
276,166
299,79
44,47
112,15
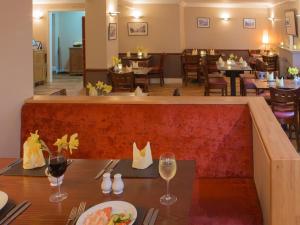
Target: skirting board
167,81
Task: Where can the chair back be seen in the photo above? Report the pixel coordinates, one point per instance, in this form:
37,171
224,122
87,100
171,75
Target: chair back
122,81
191,59
271,62
211,61
285,100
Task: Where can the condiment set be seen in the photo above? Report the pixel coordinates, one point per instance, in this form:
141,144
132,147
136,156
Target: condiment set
117,186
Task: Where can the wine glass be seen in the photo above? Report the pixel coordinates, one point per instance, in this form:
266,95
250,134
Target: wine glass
56,167
167,170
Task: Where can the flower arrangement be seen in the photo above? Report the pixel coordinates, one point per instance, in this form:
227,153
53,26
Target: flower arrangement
34,146
116,60
293,71
64,144
233,57
104,88
99,89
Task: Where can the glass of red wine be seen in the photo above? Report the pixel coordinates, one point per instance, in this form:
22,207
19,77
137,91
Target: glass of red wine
57,166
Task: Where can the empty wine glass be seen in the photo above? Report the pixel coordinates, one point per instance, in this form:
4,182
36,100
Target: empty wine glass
56,167
167,170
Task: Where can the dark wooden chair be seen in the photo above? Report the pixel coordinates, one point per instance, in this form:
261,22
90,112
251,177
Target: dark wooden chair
158,71
214,83
122,82
285,106
211,61
271,62
191,66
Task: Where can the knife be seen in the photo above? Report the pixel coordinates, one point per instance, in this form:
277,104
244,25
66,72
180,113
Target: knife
17,213
112,166
148,216
11,212
154,216
103,170
3,170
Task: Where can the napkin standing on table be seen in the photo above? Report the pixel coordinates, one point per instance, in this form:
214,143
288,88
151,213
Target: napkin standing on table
142,159
138,91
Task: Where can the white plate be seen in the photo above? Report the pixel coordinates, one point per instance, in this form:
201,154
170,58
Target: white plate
3,199
117,207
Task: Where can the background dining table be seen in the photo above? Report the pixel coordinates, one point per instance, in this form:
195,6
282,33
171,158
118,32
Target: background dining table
233,71
262,84
79,183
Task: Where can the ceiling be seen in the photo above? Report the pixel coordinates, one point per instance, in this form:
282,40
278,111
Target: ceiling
191,3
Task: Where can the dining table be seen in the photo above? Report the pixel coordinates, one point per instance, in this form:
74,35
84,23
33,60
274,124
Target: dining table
233,71
80,184
263,84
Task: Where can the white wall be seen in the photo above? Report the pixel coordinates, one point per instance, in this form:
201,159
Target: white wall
16,70
69,27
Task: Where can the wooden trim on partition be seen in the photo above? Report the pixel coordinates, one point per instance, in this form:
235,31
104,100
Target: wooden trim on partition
96,70
156,53
140,100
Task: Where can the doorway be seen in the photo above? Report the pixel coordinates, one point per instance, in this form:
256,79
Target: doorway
65,53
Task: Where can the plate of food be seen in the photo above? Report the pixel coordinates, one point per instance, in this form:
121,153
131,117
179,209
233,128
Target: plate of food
109,213
3,199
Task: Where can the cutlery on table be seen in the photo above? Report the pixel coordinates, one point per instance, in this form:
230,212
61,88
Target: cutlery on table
72,215
18,212
12,211
154,217
112,166
148,216
103,170
3,170
80,210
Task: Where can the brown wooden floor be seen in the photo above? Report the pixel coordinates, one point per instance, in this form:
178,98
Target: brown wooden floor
74,85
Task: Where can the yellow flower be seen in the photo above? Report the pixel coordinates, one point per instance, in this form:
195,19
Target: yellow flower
62,143
73,143
107,88
89,86
100,85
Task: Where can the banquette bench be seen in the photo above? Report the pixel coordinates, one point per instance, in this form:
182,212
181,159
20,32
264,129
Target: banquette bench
247,170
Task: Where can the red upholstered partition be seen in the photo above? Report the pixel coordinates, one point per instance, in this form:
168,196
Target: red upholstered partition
218,137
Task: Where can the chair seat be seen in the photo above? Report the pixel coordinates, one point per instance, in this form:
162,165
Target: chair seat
248,83
284,115
225,201
216,74
217,81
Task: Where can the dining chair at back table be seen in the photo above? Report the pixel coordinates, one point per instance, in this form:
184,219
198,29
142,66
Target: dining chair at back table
285,106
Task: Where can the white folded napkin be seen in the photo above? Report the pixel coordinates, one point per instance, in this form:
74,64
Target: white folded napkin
135,64
138,91
270,76
221,60
142,159
241,60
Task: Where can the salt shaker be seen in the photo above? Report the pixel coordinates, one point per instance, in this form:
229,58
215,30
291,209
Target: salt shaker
106,183
118,185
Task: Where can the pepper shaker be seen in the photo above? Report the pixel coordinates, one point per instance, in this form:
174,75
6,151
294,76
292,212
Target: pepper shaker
118,184
106,183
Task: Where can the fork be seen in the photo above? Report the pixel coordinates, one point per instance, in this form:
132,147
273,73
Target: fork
80,210
72,215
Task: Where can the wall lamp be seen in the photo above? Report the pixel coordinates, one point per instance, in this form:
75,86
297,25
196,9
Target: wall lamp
225,17
114,14
37,14
137,14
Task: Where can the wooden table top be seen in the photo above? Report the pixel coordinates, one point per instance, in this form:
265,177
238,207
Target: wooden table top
81,186
236,67
264,84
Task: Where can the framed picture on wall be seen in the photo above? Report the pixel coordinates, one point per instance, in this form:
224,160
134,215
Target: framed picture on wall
137,29
290,22
203,22
249,23
112,31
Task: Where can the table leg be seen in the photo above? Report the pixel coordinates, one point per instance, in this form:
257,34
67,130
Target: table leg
232,76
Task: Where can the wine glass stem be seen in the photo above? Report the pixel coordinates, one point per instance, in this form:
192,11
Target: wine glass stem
58,186
168,191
